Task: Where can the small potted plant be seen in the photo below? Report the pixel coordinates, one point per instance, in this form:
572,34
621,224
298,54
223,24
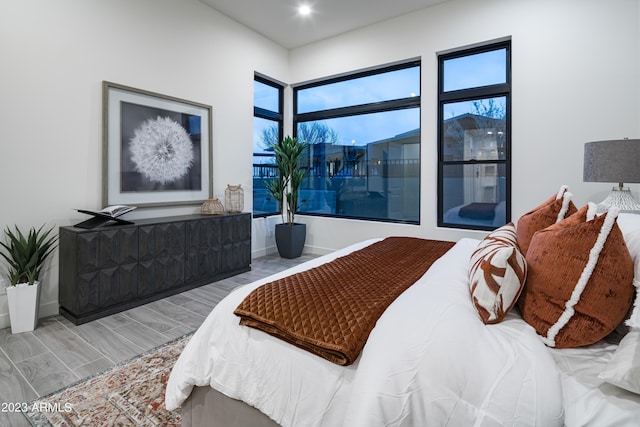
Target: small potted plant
290,236
26,256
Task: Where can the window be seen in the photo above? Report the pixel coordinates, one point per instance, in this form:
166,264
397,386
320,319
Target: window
363,132
267,129
474,134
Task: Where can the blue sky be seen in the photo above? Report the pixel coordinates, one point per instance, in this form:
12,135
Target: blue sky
380,87
475,70
470,71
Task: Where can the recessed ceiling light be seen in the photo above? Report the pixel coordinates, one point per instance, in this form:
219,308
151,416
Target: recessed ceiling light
304,10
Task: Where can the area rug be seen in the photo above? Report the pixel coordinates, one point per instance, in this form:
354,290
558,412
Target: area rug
129,394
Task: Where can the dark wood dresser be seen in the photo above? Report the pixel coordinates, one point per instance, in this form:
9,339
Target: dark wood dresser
109,269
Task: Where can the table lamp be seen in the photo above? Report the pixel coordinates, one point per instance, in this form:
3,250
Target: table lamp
614,161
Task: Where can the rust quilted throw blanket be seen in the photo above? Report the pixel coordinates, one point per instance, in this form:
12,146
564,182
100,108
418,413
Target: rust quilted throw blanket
331,309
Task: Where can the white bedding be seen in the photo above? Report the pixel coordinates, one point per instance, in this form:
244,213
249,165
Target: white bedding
429,361
588,400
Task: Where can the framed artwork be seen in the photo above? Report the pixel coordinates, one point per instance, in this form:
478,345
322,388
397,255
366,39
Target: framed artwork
157,149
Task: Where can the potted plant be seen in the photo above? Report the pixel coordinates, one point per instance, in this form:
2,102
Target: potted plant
26,256
290,236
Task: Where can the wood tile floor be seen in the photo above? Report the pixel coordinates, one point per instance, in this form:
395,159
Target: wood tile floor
59,353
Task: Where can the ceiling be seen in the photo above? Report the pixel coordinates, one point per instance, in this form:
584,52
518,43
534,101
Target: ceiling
279,20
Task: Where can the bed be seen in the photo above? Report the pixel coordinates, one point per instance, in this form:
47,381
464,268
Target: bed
429,360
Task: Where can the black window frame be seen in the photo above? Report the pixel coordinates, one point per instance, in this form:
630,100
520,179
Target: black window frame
471,94
361,109
275,116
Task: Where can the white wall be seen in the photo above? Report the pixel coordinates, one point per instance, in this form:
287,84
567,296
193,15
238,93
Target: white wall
576,78
55,55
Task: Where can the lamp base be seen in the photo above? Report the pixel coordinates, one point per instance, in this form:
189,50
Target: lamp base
621,198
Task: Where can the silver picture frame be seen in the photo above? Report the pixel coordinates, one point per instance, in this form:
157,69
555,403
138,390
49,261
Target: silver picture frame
157,149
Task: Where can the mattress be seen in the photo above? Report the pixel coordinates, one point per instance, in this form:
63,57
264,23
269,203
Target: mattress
428,361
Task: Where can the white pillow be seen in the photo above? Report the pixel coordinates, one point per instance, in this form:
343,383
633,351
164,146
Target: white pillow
628,222
623,370
630,226
497,274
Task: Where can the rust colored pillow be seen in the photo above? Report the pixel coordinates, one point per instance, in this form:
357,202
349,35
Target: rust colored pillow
555,209
579,281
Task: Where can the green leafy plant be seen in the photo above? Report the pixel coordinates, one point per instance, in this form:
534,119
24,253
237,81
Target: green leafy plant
286,187
27,254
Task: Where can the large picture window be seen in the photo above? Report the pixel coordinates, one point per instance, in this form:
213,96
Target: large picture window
363,157
267,129
474,133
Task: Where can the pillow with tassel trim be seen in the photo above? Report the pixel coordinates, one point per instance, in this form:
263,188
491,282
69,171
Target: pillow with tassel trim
580,279
553,210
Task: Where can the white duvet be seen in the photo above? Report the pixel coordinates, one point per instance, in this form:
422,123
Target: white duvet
429,361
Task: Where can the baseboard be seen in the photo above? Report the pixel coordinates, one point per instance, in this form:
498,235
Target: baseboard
46,310
317,250
307,250
49,309
263,252
4,321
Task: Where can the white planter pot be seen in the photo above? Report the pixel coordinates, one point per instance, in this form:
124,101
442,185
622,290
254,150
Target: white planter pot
24,303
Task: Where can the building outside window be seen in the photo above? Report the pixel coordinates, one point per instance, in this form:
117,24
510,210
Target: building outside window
474,134
363,135
267,127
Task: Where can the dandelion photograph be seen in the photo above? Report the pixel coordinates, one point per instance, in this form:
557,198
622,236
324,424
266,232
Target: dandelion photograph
160,149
